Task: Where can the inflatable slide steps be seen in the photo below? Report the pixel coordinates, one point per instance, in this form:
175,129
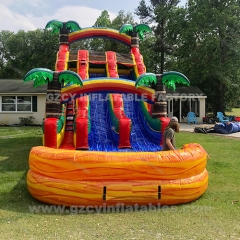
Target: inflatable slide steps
70,116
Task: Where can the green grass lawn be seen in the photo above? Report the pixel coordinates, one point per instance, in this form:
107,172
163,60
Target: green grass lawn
216,215
234,112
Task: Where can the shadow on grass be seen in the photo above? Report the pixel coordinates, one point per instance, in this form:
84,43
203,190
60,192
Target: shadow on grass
14,154
18,199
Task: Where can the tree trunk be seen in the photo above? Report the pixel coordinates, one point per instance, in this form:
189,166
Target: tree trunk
63,38
53,104
162,46
219,98
134,40
160,106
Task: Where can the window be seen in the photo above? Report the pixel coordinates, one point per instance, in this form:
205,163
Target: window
195,106
16,103
8,104
190,105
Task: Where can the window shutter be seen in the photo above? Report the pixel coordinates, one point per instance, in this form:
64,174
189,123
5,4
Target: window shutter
34,103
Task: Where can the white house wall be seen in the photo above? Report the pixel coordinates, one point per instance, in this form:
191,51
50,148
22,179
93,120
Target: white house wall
10,118
202,107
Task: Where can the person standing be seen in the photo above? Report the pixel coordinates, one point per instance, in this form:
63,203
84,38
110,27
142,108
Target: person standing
169,134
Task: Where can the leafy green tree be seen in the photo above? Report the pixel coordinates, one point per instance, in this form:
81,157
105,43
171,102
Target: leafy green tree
26,50
158,14
104,21
158,49
4,49
209,49
147,51
121,19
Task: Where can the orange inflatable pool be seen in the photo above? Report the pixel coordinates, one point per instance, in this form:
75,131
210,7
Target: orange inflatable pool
66,177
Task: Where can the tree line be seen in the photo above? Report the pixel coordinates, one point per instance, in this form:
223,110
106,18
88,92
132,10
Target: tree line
201,40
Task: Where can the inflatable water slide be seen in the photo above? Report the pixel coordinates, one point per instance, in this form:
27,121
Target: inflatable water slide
101,143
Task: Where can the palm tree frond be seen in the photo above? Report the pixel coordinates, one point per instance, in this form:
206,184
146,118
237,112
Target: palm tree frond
169,79
126,28
40,76
55,25
41,80
70,77
141,35
141,29
146,79
73,26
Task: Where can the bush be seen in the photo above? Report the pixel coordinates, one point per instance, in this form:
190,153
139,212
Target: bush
26,120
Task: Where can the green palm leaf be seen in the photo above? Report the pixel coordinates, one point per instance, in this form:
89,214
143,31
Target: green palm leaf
126,28
141,29
70,77
55,25
72,26
146,79
169,79
40,76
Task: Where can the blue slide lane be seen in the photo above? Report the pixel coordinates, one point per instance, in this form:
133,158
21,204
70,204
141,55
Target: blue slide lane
100,138
143,139
103,138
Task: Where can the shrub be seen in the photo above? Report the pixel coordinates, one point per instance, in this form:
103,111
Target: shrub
26,120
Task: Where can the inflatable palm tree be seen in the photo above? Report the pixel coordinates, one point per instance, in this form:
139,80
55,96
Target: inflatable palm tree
64,28
167,79
135,32
54,80
146,79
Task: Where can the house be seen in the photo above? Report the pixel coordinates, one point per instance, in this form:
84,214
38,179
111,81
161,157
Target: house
184,100
19,99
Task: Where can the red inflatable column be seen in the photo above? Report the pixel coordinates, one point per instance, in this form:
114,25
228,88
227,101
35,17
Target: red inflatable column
165,121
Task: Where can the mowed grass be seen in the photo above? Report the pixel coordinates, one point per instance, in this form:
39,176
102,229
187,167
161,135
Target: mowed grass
234,112
216,215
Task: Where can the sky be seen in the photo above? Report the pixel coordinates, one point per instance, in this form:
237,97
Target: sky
29,15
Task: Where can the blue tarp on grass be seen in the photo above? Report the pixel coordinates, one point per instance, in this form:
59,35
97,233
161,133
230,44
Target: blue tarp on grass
227,128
